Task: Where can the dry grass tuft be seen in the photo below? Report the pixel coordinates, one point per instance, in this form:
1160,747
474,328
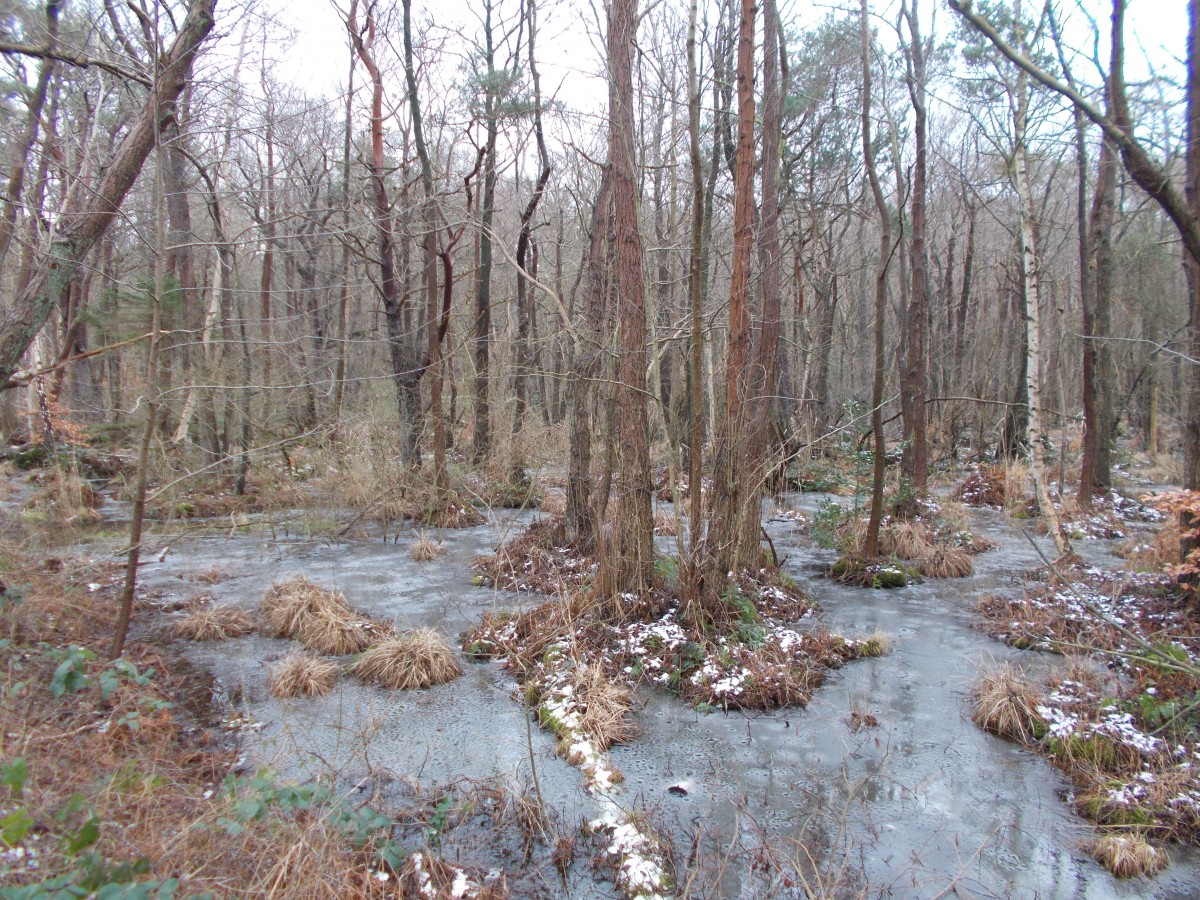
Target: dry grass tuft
1005,703
877,643
946,562
906,540
1127,855
665,523
1018,495
211,576
417,659
607,707
954,516
213,623
554,503
340,635
449,512
66,499
427,548
976,543
302,675
1155,554
290,604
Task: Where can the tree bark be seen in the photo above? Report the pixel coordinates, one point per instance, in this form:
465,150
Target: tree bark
914,389
1031,281
870,548
525,309
627,563
729,488
481,444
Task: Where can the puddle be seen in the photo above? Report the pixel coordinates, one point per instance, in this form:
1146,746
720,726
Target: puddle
922,802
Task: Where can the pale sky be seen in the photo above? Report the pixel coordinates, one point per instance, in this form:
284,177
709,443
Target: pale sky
568,50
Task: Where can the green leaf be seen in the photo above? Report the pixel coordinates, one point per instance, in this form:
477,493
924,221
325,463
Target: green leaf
69,677
232,828
15,826
249,808
88,834
13,774
57,888
75,803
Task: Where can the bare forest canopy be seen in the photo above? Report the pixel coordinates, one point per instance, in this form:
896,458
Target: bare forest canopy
759,234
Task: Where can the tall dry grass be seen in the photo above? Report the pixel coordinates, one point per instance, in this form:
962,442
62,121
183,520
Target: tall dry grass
417,659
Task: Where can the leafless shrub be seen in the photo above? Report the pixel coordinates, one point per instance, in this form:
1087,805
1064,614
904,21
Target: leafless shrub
417,659
302,675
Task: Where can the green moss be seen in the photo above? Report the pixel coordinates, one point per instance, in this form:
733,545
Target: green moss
551,722
1023,642
481,651
32,517
1093,749
874,645
855,571
741,603
891,576
1117,815
32,458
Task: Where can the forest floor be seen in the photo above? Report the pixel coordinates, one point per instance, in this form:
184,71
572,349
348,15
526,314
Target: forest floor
662,765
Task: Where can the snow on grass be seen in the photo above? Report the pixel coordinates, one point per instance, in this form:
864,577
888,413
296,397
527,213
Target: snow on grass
633,848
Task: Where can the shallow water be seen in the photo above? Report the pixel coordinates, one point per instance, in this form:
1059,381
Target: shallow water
923,802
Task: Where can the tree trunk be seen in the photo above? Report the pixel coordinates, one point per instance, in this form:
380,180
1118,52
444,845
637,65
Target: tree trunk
1030,277
481,444
729,489
23,146
870,548
914,387
627,563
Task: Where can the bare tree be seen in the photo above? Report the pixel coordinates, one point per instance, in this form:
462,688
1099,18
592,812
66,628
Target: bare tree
84,223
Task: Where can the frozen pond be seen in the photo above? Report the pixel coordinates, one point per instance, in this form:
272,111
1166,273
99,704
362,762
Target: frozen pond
923,803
